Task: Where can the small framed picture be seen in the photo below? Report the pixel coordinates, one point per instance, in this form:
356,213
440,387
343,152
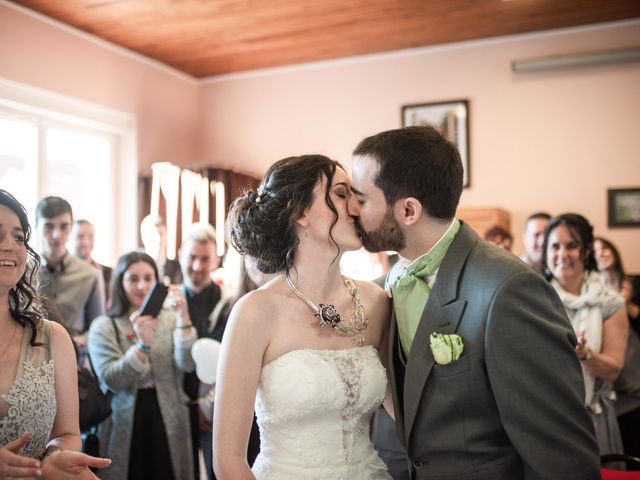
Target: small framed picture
624,207
450,118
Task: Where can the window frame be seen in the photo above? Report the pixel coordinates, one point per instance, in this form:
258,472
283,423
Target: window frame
52,110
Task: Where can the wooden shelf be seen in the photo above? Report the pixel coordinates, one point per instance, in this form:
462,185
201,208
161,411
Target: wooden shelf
482,219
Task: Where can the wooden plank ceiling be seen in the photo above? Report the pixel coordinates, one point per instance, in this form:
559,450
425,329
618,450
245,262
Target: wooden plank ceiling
211,37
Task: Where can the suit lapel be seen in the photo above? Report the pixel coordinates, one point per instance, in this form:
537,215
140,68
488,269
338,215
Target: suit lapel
441,314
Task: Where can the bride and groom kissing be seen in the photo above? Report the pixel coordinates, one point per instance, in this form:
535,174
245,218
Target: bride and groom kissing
484,378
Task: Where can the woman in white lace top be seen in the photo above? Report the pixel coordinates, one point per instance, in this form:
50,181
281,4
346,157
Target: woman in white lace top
39,432
303,347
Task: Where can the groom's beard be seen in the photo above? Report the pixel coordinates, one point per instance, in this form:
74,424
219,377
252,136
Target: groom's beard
388,235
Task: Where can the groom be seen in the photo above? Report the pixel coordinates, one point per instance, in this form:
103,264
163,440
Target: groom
512,405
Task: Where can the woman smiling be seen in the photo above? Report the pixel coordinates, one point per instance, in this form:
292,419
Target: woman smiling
597,315
39,431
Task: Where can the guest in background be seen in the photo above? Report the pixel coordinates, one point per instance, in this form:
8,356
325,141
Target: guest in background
611,268
153,232
74,287
500,237
597,315
533,238
39,434
141,359
82,241
627,385
198,259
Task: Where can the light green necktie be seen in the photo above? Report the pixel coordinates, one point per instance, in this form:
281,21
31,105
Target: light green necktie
411,290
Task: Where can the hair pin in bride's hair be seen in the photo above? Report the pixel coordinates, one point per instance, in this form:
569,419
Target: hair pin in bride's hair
259,193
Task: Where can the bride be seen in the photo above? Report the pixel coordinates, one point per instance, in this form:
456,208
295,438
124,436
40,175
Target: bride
303,348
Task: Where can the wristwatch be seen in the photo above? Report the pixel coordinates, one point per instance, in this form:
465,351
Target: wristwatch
587,356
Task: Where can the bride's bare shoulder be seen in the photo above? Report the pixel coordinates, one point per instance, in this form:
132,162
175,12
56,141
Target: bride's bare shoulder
259,303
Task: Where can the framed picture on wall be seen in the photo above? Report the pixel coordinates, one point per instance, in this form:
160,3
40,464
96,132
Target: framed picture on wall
450,118
624,207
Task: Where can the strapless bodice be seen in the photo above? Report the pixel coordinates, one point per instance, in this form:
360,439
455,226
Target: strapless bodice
314,409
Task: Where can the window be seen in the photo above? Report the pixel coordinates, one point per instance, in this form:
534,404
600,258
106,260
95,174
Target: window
83,159
19,160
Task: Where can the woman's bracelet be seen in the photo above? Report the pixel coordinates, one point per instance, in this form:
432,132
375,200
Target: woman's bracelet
587,356
142,347
184,327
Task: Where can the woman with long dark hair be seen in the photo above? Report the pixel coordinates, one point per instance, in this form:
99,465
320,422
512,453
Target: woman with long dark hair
610,266
39,431
141,359
303,347
597,315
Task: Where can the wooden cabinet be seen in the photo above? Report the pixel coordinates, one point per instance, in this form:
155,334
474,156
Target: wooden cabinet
482,219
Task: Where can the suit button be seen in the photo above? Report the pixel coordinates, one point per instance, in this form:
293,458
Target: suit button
417,463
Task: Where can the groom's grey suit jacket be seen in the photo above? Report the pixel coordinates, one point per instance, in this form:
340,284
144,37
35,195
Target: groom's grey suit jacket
512,407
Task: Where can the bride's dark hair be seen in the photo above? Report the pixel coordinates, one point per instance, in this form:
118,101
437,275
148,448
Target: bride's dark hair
262,224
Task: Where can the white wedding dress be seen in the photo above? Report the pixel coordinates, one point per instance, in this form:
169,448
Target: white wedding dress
314,409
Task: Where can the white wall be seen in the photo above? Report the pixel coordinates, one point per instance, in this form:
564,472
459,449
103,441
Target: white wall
550,141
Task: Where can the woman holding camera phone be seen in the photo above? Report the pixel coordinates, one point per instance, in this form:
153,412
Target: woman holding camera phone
141,359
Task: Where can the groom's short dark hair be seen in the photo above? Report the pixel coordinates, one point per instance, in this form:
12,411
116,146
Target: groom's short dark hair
417,162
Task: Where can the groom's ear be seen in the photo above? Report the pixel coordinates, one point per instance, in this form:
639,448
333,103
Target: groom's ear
408,210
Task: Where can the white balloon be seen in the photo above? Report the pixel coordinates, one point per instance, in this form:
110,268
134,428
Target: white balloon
205,353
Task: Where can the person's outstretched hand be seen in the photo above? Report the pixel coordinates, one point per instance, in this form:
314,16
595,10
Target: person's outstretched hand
70,465
14,465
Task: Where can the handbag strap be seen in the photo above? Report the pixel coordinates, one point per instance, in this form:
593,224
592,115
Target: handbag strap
115,329
117,332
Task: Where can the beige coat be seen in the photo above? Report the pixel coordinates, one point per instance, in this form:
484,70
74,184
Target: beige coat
112,365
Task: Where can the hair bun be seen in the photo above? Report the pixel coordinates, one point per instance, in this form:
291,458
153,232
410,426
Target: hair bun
262,223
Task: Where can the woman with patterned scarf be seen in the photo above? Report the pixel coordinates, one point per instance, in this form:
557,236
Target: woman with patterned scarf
597,315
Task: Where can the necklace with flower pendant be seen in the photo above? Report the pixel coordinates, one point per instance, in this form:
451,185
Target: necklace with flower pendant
330,317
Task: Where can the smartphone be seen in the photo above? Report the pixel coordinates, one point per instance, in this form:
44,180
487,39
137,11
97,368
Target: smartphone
155,298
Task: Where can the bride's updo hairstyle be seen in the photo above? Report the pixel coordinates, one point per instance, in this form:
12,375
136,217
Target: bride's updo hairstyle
263,223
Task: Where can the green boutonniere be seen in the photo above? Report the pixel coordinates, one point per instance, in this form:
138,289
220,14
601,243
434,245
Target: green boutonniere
446,348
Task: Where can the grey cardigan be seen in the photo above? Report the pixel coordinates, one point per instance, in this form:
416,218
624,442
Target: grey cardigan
118,370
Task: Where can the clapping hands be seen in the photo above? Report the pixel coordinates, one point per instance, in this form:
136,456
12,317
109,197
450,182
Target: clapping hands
60,465
582,349
14,465
70,465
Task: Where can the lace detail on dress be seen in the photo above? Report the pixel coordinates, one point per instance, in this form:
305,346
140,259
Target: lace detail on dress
349,374
32,408
314,409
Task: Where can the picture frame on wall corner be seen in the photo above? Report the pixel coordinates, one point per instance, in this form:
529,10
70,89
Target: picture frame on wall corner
623,206
451,118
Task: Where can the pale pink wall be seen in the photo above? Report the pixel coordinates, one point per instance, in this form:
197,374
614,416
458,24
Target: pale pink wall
541,141
41,54
553,141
